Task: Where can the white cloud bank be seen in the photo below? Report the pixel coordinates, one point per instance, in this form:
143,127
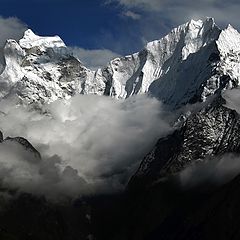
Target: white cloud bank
98,141
11,28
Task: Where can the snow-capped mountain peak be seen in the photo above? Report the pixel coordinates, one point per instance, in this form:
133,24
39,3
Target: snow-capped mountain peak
229,40
198,34
31,40
183,66
40,69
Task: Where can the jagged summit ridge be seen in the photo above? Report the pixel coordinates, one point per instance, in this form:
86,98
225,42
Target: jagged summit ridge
40,69
208,132
181,67
229,40
31,40
135,74
184,66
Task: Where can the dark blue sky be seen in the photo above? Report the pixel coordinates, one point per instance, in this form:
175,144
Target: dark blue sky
89,23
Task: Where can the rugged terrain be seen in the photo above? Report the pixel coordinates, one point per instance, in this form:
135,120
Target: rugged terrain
185,66
189,70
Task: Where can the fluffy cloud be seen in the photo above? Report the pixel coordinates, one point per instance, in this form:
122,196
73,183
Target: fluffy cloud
89,144
23,171
94,59
11,28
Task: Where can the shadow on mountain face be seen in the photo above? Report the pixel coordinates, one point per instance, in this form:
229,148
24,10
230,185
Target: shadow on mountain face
206,215
163,211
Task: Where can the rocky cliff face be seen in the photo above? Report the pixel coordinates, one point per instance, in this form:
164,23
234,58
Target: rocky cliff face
212,131
208,130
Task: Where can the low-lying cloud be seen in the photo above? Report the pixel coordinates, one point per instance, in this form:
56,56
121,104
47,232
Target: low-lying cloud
211,171
23,171
89,144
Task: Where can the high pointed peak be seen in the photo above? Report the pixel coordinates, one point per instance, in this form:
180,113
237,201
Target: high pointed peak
229,40
196,34
207,21
210,19
195,22
30,40
230,27
29,33
230,30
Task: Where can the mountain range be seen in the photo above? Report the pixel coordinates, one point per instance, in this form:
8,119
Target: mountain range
195,72
183,67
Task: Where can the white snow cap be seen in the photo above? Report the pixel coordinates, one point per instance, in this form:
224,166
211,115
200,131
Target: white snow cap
30,40
228,40
171,69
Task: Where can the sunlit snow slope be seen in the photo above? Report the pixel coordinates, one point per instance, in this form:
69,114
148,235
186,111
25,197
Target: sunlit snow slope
183,67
